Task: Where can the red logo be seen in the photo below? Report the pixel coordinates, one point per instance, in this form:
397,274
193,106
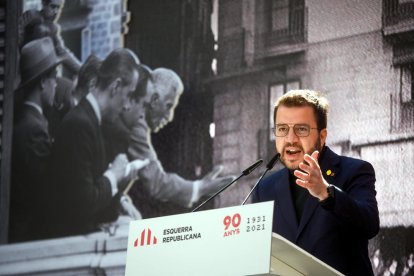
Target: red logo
232,222
146,238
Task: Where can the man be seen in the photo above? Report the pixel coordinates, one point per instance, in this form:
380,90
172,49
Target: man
36,29
48,17
87,78
68,94
31,140
324,203
61,104
155,109
84,187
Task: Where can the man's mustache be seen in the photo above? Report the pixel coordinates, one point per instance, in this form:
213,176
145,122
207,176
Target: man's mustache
296,145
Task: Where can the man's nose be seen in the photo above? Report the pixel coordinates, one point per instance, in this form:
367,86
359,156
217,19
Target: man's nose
291,136
170,116
127,105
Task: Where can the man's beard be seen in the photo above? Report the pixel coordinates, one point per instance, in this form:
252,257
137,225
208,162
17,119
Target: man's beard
316,146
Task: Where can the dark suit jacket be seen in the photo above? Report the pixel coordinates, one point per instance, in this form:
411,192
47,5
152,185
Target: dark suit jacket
63,103
31,150
338,235
82,195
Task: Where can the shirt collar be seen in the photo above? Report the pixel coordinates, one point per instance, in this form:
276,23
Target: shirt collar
35,105
92,100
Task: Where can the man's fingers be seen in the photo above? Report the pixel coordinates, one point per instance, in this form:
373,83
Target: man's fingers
303,184
139,164
301,175
214,172
305,168
226,179
121,156
312,160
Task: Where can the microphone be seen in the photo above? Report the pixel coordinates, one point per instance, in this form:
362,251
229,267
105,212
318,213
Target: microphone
244,173
269,166
252,167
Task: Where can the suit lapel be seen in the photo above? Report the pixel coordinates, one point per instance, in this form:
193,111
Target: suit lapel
329,168
100,151
35,116
90,113
285,203
330,165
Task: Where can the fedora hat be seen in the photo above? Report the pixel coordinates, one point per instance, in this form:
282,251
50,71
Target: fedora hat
36,58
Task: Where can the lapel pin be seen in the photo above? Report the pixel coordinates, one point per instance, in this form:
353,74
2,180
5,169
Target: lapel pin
330,173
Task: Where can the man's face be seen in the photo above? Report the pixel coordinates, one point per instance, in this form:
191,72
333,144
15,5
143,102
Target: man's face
120,100
291,147
161,110
52,9
131,116
49,89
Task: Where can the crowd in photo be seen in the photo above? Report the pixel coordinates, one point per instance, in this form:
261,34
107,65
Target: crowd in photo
81,142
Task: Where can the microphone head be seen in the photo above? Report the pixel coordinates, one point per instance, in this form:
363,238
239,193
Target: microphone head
252,167
273,161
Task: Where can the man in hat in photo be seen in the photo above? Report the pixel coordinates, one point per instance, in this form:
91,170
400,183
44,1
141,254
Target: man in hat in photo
31,140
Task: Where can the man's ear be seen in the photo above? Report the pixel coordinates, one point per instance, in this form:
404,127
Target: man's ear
116,86
154,98
322,135
42,82
92,83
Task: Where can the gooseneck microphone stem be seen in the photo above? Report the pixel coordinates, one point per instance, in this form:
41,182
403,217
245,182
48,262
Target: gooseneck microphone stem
244,173
254,187
219,191
269,166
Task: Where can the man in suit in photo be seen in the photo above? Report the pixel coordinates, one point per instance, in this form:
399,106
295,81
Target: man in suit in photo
85,187
31,139
69,93
325,203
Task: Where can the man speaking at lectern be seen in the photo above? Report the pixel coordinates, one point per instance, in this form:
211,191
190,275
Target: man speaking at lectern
324,203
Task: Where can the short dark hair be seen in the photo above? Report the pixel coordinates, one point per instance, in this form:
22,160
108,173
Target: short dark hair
298,98
120,63
89,70
144,75
35,29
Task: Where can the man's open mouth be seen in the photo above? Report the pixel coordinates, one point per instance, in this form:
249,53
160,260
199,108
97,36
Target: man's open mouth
293,151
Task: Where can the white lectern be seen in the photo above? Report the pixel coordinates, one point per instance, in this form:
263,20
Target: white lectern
228,241
289,259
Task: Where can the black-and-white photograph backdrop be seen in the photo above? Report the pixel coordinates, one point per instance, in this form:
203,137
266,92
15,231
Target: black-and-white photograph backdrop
159,104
